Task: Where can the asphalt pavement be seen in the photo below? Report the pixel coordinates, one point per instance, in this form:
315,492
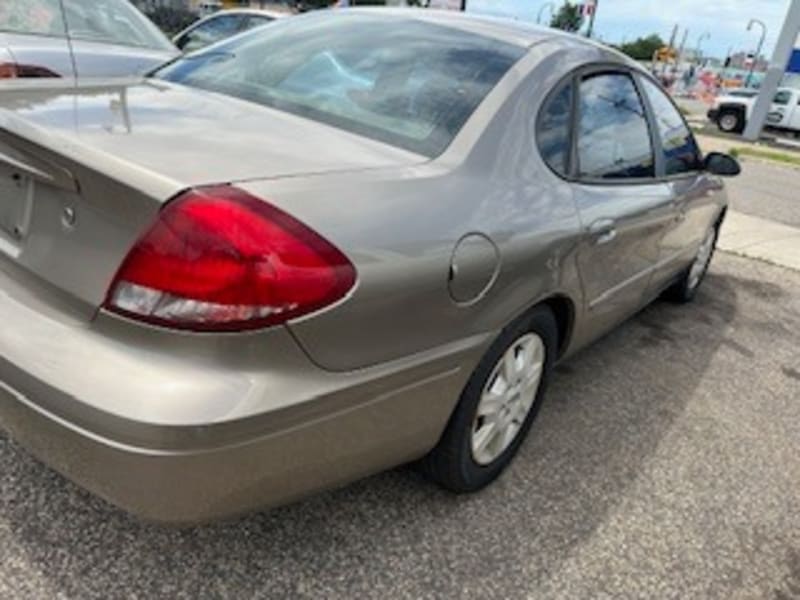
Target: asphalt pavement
768,191
665,464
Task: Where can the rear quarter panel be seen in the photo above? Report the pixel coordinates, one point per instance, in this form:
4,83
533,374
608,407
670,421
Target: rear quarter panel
43,51
95,60
400,229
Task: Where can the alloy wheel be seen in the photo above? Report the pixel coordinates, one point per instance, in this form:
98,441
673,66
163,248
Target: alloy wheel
507,398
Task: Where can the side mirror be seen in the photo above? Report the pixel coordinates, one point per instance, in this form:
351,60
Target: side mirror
723,165
180,42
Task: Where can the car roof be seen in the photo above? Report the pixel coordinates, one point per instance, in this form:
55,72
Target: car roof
509,30
266,12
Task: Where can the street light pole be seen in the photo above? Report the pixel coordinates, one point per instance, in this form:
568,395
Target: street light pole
705,36
549,5
760,46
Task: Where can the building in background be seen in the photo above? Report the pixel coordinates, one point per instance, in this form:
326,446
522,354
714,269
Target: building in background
792,78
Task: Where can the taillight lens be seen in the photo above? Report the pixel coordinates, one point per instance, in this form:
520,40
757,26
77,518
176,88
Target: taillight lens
218,259
10,70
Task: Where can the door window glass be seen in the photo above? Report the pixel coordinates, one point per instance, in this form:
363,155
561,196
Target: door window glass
553,132
613,136
40,17
681,154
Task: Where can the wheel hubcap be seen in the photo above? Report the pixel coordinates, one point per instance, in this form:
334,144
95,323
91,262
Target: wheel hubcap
507,398
728,122
700,263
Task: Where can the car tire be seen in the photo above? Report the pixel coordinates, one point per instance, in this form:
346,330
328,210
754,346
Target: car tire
459,463
730,121
686,288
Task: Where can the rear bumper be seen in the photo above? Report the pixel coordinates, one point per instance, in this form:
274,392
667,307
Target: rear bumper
203,484
181,436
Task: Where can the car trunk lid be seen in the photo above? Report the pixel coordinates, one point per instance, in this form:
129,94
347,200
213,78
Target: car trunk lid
84,172
198,137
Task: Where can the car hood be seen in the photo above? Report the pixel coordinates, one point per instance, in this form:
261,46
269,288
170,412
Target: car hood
195,137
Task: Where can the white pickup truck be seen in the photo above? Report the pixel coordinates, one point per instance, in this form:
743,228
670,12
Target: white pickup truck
732,110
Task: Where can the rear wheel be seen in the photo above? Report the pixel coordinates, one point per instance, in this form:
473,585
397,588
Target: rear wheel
497,407
686,289
731,121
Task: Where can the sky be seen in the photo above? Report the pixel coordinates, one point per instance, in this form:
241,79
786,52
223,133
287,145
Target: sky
617,20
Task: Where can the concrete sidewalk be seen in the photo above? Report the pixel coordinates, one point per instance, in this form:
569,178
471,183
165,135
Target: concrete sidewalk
761,239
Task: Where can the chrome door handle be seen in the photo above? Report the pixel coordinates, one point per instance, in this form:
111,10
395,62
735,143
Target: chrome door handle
603,231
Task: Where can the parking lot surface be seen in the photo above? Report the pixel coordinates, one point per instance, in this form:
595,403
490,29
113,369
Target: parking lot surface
665,464
767,191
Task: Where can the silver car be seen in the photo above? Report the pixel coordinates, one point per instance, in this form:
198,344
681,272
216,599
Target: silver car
77,40
224,24
346,241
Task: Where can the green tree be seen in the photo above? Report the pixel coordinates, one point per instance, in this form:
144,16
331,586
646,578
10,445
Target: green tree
643,48
568,18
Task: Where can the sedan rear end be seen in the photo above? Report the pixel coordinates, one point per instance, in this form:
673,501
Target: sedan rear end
159,242
329,246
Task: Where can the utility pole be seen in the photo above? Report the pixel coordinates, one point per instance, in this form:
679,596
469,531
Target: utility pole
697,54
673,37
682,46
758,51
775,72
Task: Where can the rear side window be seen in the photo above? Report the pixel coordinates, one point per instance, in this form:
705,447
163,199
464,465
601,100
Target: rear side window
402,81
613,135
681,154
254,21
213,30
38,17
553,131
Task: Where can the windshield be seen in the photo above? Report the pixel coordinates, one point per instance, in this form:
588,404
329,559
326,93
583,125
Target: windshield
399,80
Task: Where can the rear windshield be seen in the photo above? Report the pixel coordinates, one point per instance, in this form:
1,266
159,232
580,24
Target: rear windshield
402,81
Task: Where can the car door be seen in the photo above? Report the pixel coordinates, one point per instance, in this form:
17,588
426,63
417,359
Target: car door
211,30
623,207
781,109
110,38
33,40
692,189
794,117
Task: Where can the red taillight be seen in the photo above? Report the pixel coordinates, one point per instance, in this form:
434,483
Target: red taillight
10,70
218,259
